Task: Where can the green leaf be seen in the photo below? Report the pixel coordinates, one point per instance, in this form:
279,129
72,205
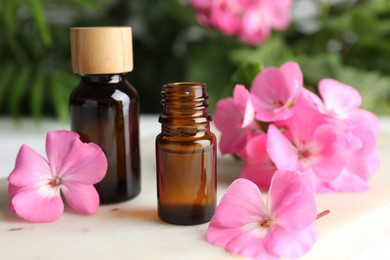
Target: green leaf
18,91
10,24
246,73
273,52
37,95
210,64
59,97
85,3
38,13
6,76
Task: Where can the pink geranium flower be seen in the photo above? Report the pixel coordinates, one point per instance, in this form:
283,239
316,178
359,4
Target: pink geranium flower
72,168
361,164
251,20
234,117
341,102
274,90
308,144
281,227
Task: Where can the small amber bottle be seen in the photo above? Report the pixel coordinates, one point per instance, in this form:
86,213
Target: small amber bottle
186,156
104,107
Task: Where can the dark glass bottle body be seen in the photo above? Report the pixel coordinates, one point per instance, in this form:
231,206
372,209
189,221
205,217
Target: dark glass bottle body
185,156
104,109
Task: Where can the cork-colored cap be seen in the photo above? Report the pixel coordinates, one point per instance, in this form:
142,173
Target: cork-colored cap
101,50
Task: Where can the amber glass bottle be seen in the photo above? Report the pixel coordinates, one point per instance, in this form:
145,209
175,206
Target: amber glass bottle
104,107
186,156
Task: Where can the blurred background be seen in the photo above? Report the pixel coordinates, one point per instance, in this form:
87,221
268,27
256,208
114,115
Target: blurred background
343,39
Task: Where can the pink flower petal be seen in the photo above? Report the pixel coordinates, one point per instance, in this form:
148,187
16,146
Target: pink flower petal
259,168
221,236
332,157
74,160
260,174
227,115
235,222
38,203
240,96
30,167
289,244
366,118
250,245
91,169
12,191
339,97
300,128
364,167
242,204
280,150
234,141
346,182
274,91
293,74
82,198
244,104
271,90
64,150
280,13
292,200
255,26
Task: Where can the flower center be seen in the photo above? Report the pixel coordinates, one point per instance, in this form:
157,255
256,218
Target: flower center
55,182
266,223
305,154
279,103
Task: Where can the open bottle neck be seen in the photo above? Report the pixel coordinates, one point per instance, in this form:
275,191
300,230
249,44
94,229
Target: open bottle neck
185,107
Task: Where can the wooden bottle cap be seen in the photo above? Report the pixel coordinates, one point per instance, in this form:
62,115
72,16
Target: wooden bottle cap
101,50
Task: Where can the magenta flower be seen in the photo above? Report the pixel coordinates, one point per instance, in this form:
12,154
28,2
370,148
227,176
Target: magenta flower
308,144
234,117
361,164
341,102
258,168
72,168
274,90
251,20
281,227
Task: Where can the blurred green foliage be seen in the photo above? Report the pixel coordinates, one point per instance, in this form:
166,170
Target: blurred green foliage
351,44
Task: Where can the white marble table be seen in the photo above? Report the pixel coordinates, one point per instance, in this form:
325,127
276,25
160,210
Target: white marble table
357,228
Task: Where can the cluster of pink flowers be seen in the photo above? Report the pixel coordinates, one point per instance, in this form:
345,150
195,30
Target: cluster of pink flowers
251,20
279,124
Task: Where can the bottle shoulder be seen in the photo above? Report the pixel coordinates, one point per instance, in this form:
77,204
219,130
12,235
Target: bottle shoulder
112,92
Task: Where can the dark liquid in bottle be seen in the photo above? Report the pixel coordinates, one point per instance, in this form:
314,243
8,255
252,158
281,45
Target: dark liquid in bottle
110,119
186,182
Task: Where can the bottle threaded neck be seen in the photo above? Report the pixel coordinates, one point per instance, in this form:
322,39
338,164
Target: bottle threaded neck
185,104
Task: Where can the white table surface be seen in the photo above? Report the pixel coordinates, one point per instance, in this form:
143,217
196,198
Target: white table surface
358,227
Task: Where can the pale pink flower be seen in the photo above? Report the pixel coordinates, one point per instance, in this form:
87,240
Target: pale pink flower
274,91
72,168
281,227
258,168
234,117
341,102
309,145
259,19
361,164
251,20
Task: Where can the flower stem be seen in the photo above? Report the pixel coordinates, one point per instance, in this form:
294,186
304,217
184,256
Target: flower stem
323,214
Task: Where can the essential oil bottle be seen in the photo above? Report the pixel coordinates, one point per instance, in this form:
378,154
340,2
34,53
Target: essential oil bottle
186,156
104,106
